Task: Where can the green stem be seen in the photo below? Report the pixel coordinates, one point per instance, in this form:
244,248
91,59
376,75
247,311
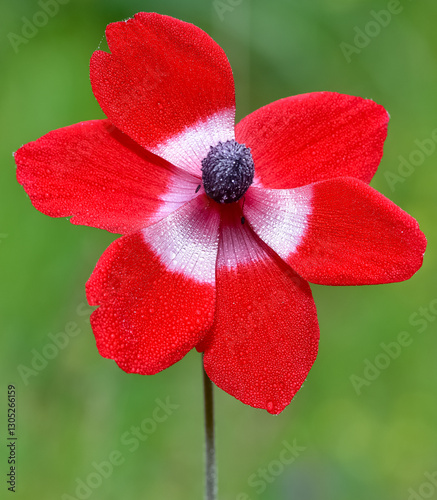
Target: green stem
210,465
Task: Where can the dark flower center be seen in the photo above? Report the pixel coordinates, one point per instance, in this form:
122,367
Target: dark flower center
227,171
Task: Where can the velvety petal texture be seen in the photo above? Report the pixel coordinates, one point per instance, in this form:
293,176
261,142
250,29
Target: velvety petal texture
312,137
338,232
167,85
156,290
99,176
265,334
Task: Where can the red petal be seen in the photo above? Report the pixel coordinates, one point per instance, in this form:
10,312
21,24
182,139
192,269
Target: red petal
265,335
167,85
338,232
101,177
156,290
313,137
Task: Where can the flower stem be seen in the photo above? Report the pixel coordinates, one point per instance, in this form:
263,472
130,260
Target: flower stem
210,465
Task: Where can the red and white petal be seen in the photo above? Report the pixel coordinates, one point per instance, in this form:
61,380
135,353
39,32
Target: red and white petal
98,175
338,232
167,85
313,137
265,335
156,290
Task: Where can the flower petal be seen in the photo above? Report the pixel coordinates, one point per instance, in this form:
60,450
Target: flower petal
102,178
265,334
338,232
156,290
313,137
167,85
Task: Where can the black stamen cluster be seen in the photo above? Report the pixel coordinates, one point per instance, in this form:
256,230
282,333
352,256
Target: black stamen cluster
227,171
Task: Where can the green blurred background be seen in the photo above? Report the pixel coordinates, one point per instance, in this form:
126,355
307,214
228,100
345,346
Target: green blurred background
74,411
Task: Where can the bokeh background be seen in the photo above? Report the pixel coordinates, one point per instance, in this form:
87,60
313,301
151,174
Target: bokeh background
75,409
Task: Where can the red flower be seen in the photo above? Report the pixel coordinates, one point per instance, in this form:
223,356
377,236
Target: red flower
207,261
